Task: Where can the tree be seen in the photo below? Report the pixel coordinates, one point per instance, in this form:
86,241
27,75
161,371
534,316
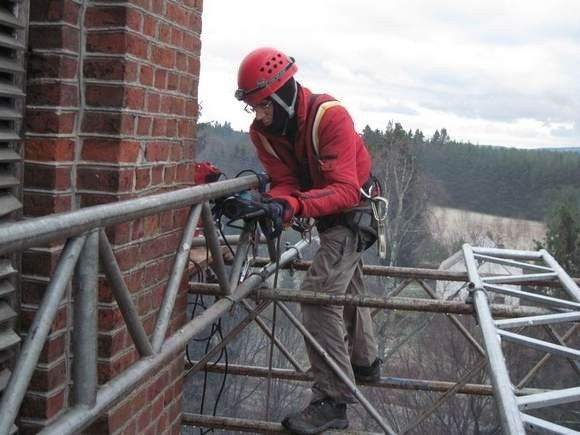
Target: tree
563,235
396,163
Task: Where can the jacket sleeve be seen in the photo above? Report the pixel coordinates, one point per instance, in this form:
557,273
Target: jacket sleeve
338,144
283,184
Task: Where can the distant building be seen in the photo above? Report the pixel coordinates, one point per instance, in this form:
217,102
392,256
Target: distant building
458,291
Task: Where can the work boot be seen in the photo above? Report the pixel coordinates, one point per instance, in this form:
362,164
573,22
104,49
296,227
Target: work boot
317,417
370,373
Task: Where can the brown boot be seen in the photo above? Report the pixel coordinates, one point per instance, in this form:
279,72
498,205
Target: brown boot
371,373
317,417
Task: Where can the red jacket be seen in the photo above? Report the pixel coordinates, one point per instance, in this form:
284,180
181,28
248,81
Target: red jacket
323,171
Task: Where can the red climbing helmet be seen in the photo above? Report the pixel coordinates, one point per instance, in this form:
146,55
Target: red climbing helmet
263,72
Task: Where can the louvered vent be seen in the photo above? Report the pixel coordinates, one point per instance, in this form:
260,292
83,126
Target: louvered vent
13,32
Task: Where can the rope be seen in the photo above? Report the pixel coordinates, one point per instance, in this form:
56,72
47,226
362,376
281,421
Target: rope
273,337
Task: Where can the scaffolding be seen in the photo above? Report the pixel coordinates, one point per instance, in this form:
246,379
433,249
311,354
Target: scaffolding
87,245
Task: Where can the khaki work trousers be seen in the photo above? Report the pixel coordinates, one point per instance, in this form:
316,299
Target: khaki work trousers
346,333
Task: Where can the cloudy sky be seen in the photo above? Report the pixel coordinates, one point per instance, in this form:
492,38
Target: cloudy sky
497,72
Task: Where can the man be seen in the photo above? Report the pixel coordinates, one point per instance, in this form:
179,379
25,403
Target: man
317,164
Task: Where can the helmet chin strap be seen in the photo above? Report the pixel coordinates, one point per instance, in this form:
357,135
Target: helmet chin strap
288,108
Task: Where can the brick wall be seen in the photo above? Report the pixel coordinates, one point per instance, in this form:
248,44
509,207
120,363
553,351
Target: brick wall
111,109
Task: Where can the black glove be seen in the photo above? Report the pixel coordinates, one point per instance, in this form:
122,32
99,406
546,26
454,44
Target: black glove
275,210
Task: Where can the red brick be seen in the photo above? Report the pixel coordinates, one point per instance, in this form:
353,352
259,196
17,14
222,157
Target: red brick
108,42
180,61
53,349
49,378
48,149
144,125
171,127
149,25
157,151
142,178
105,95
160,79
113,343
169,175
119,415
130,429
185,173
110,150
159,127
195,22
185,129
103,179
143,303
164,57
88,199
146,75
49,122
111,69
54,37
165,32
191,109
157,175
143,420
153,102
172,81
108,123
41,204
177,14
151,274
108,369
51,65
54,11
99,427
134,98
193,65
176,36
52,94
60,319
137,46
127,257
134,281
43,407
187,84
47,177
110,318
99,17
150,320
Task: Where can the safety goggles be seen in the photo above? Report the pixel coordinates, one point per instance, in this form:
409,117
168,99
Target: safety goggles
265,105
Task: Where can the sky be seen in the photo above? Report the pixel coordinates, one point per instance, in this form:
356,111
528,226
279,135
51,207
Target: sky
493,72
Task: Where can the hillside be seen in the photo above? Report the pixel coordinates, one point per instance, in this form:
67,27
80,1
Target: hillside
493,180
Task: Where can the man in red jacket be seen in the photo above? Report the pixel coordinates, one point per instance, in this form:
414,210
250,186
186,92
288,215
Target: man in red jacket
317,164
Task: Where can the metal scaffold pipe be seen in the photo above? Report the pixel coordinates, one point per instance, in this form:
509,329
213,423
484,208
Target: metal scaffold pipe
21,235
504,393
386,382
77,418
392,303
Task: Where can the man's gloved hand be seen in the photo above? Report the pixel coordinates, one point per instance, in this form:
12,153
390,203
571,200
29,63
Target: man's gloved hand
276,211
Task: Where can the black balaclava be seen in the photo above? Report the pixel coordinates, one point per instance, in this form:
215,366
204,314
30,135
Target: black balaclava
284,119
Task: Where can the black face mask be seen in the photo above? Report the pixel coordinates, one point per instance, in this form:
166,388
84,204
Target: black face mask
282,124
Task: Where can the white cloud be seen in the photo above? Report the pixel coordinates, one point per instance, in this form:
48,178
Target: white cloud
493,72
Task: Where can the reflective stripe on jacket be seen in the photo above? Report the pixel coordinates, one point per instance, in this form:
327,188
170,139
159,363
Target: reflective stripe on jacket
322,172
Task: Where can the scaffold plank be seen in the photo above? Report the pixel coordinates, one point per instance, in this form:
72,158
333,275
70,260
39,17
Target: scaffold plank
251,426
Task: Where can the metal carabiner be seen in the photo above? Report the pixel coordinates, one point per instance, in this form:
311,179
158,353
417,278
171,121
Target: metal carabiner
379,212
380,207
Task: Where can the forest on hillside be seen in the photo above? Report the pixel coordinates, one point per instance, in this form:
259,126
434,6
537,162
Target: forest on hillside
495,180
420,173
